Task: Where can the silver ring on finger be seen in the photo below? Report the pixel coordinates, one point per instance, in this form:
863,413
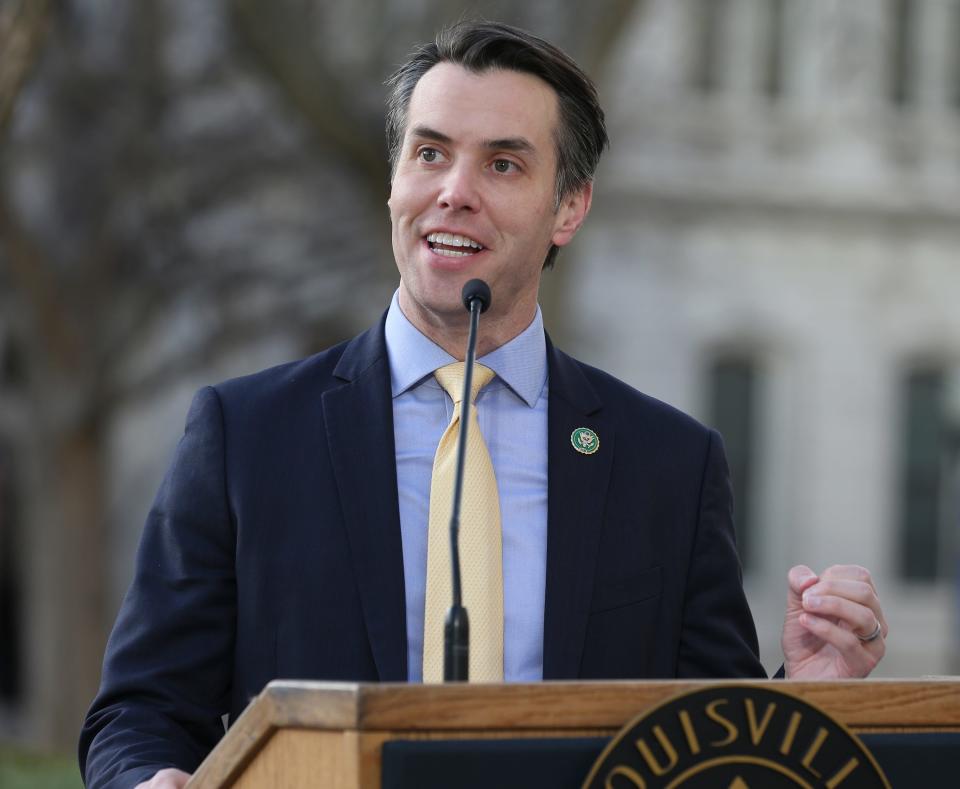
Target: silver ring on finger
873,636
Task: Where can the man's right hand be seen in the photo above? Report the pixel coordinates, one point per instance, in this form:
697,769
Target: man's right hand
171,778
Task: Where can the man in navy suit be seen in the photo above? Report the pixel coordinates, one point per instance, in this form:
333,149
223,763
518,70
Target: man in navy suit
288,538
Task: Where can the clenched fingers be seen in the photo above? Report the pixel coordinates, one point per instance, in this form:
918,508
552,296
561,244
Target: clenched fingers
846,594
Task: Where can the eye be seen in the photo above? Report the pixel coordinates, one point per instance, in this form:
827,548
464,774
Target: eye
505,166
429,155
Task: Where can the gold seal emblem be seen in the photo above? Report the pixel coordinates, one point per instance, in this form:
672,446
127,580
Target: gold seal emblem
736,737
585,440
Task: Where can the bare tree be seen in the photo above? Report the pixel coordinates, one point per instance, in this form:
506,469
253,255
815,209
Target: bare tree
178,179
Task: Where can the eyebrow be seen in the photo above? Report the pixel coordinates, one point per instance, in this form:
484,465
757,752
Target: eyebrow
426,133
515,144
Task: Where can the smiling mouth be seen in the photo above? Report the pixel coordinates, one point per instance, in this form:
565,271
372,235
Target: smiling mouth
452,245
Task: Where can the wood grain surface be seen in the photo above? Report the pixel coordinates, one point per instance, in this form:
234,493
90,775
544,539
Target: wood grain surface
330,734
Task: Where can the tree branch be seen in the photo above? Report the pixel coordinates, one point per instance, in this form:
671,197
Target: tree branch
283,51
29,268
21,41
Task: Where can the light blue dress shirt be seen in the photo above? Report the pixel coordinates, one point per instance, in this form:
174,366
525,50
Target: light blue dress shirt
512,412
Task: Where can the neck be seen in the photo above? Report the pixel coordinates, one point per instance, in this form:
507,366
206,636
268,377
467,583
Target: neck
451,334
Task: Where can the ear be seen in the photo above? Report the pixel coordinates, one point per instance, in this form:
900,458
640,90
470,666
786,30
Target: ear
573,210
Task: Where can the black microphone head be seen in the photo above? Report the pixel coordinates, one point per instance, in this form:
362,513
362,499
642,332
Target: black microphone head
476,289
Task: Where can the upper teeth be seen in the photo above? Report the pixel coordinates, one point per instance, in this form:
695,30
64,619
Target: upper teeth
453,240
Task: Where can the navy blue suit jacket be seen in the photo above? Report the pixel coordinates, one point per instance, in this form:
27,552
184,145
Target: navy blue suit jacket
273,550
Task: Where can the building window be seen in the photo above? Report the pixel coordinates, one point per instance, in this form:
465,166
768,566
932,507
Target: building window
903,17
717,25
707,42
955,55
774,49
924,493
732,410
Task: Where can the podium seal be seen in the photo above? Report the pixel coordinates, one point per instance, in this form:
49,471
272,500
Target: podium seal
735,737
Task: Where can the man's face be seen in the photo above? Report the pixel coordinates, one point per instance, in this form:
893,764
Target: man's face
473,195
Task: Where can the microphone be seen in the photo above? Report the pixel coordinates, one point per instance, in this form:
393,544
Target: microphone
456,629
476,289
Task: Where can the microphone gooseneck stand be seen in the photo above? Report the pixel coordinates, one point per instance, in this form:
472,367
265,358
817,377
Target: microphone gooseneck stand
456,629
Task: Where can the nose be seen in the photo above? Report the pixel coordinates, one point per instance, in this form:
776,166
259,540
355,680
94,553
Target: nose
458,189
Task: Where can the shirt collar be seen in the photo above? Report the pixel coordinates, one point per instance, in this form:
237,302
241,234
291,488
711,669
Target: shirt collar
521,363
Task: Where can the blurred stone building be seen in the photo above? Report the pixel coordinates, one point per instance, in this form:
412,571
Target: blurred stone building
775,248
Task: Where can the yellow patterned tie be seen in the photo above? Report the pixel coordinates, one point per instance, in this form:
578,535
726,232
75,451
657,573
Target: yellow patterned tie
481,555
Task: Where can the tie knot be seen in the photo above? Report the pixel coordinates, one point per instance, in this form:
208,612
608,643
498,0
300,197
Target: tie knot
451,379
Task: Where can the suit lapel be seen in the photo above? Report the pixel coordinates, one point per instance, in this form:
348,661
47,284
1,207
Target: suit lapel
576,495
359,427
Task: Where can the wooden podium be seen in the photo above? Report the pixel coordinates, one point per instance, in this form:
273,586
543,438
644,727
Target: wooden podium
308,734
